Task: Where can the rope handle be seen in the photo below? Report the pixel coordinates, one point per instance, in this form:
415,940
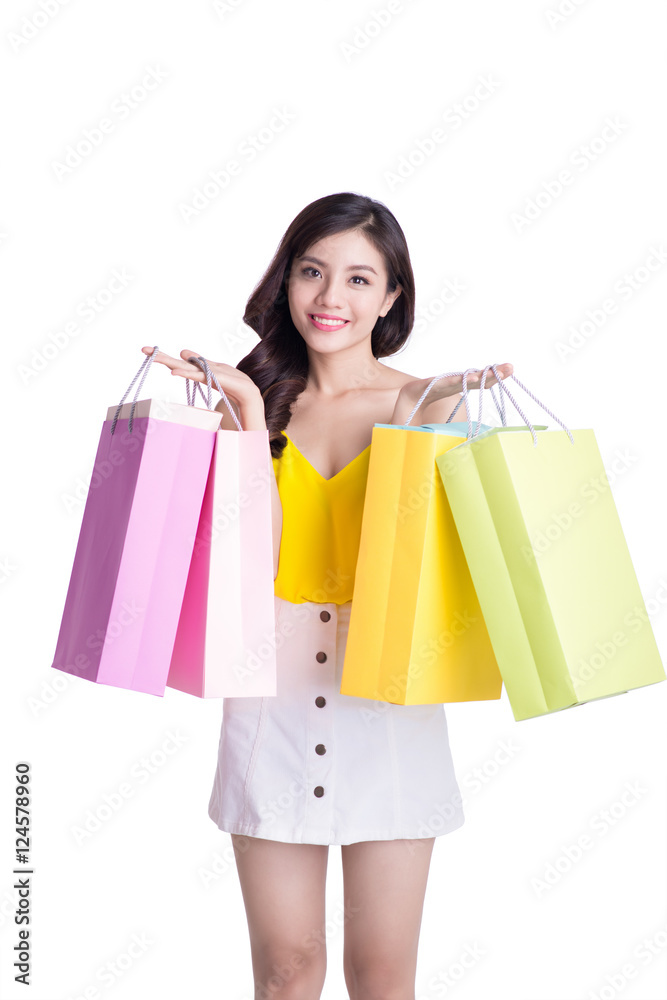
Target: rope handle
501,408
145,365
210,376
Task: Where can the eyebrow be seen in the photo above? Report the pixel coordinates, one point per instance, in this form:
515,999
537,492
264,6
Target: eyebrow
354,267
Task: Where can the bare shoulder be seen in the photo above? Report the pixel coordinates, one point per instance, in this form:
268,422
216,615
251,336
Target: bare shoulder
395,379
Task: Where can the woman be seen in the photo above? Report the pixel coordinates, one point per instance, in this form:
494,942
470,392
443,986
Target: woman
312,767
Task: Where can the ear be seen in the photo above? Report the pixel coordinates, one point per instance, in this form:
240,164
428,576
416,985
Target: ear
390,299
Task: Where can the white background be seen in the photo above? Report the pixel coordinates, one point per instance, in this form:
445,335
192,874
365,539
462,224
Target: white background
361,97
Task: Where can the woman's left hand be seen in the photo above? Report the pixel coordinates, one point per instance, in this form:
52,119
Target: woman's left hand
452,385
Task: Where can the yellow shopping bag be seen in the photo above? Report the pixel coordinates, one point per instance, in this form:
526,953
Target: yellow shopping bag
416,633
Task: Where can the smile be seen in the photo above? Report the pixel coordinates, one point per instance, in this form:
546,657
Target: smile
323,323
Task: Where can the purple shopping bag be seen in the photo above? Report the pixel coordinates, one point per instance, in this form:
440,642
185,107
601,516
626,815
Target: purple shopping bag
134,549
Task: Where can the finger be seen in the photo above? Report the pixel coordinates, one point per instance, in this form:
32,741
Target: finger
166,359
197,354
196,376
505,370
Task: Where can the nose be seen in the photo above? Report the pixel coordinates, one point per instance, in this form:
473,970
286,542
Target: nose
330,295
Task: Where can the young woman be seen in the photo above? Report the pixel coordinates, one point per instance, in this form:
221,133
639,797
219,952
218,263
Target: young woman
312,767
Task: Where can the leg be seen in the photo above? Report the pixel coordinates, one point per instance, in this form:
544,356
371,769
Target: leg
384,887
283,888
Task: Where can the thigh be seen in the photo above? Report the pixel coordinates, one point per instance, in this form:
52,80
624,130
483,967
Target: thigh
283,887
384,888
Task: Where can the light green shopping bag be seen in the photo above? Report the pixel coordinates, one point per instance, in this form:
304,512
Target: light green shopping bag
551,567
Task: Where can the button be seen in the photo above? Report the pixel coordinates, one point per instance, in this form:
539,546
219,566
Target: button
319,791
320,749
320,657
320,701
325,616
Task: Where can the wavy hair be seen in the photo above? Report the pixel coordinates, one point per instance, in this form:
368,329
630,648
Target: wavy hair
278,364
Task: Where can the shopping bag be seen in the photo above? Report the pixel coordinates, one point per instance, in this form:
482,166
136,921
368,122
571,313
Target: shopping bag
550,565
135,544
416,633
225,641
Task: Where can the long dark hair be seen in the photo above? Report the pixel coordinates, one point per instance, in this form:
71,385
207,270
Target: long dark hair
278,365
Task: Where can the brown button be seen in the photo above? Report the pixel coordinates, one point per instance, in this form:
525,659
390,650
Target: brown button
319,791
320,701
320,657
320,749
325,616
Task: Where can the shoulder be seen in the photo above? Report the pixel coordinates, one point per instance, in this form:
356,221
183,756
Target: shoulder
437,411
394,379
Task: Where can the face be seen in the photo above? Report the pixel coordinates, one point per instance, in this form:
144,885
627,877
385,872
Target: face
336,291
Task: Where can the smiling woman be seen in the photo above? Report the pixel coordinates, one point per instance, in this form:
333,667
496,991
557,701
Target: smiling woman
310,767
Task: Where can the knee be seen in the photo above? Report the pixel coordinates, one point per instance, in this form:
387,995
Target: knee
378,983
289,975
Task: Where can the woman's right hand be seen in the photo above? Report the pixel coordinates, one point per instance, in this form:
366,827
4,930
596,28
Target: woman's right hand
238,386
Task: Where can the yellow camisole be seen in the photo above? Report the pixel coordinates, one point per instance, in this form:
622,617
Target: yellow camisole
321,527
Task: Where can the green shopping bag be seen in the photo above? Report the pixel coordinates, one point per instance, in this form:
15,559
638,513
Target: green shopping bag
550,566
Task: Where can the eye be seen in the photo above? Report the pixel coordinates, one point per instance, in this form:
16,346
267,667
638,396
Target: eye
355,277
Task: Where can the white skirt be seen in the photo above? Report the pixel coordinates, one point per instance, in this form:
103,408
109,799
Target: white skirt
313,766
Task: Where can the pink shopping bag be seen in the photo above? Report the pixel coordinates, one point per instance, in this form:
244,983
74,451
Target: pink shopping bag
134,549
225,644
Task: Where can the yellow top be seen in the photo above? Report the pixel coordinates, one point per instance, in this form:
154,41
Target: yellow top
321,527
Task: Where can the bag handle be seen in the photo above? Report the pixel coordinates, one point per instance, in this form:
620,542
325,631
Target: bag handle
501,409
210,376
463,399
145,365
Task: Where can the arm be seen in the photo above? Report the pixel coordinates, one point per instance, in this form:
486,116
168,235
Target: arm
442,396
434,412
252,417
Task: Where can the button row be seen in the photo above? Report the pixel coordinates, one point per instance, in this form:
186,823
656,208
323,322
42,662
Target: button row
320,701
